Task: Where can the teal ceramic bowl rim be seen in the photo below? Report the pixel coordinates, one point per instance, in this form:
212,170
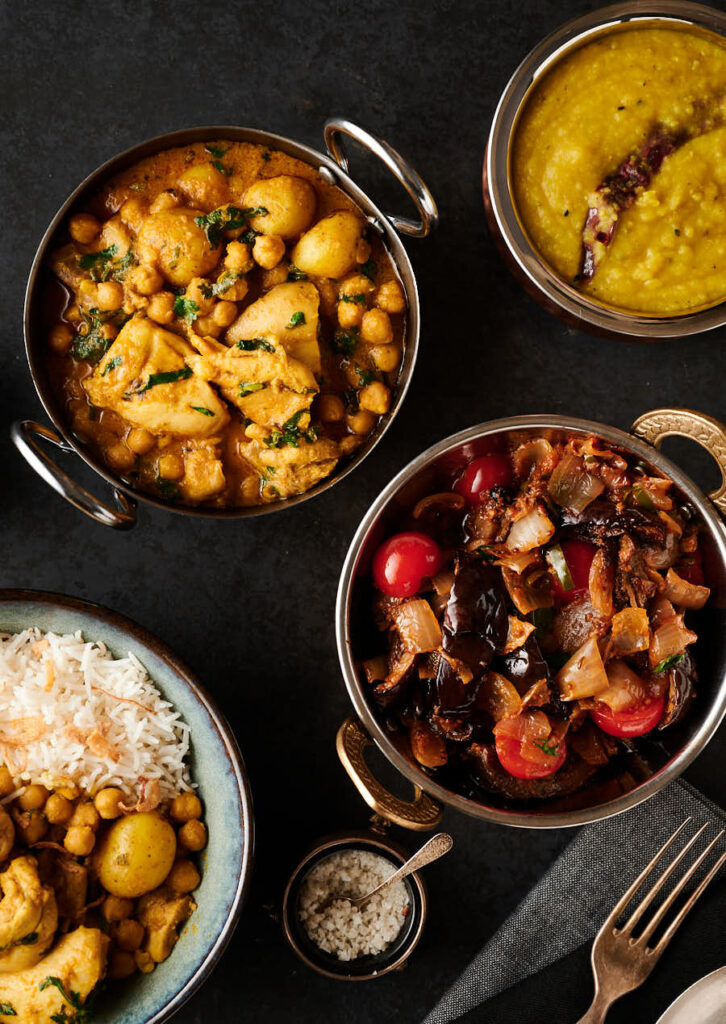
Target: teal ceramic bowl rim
142,636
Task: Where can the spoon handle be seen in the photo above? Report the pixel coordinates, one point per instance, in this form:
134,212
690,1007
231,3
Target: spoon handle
436,847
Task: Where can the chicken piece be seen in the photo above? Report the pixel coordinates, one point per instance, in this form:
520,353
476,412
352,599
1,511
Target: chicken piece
28,916
161,912
203,472
7,834
78,962
146,377
65,266
267,386
290,470
289,311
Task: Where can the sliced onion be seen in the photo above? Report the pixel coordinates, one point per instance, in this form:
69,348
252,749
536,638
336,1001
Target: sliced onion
517,634
600,582
428,748
537,695
533,725
626,687
528,591
651,492
375,668
517,561
417,625
536,457
671,638
571,486
671,524
683,593
660,610
630,631
584,674
531,531
448,499
499,697
443,581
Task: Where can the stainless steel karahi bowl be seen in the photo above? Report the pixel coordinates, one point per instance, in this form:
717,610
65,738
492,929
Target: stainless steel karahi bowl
434,470
333,167
540,281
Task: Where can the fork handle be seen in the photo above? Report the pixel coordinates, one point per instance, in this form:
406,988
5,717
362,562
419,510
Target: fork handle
598,1009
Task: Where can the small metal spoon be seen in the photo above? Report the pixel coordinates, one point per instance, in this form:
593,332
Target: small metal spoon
431,850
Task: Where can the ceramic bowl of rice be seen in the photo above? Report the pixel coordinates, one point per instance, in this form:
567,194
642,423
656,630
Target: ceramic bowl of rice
161,725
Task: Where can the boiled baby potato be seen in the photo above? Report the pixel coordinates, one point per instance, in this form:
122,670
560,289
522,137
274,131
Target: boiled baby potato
288,312
173,241
328,249
203,185
136,855
289,201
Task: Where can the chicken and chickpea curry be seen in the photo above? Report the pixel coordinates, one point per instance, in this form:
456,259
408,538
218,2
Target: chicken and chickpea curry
230,326
534,620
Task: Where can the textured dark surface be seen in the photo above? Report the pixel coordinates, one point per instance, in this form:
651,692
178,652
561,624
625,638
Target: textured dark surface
250,605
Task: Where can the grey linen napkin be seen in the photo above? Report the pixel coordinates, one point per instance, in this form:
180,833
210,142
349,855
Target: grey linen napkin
566,909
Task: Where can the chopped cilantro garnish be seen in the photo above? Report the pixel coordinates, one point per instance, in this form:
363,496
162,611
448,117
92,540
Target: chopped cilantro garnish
167,377
359,299
168,488
295,274
101,265
266,155
668,663
187,309
291,434
111,365
216,151
225,282
296,320
269,471
546,748
8,1010
248,387
91,260
364,376
368,269
250,344
226,218
344,342
92,346
28,940
202,409
226,171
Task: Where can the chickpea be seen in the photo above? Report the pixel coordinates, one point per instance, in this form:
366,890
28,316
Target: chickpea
72,313
185,807
193,835
87,295
238,257
375,397
361,422
183,876
107,801
108,331
69,791
278,275
140,441
33,798
32,826
84,227
375,328
349,444
121,457
199,290
390,297
362,251
85,815
58,810
114,908
205,325
6,781
144,961
161,307
79,840
224,313
121,965
145,279
60,338
236,291
385,357
350,314
109,295
133,212
170,466
330,409
164,201
355,284
268,250
128,934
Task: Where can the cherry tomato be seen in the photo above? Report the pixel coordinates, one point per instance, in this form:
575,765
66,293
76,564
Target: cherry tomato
578,555
403,561
633,721
510,757
481,475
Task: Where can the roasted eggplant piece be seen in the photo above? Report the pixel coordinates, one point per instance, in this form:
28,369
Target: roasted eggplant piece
681,691
602,520
490,776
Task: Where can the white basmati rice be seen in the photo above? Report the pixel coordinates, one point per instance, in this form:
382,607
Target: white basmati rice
70,712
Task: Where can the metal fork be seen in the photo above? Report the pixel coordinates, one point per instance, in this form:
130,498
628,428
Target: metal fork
620,962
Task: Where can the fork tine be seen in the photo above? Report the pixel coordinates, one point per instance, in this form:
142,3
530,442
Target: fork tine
631,891
653,892
678,919
673,896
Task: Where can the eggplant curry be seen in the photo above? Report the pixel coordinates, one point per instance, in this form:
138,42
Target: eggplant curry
534,618
230,328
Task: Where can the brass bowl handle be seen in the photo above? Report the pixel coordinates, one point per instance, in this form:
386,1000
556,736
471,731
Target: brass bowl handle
420,814
654,426
24,434
396,164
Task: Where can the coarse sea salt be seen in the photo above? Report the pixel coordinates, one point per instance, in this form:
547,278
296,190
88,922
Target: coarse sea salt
72,713
342,929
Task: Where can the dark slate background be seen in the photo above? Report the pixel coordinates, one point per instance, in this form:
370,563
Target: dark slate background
249,605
